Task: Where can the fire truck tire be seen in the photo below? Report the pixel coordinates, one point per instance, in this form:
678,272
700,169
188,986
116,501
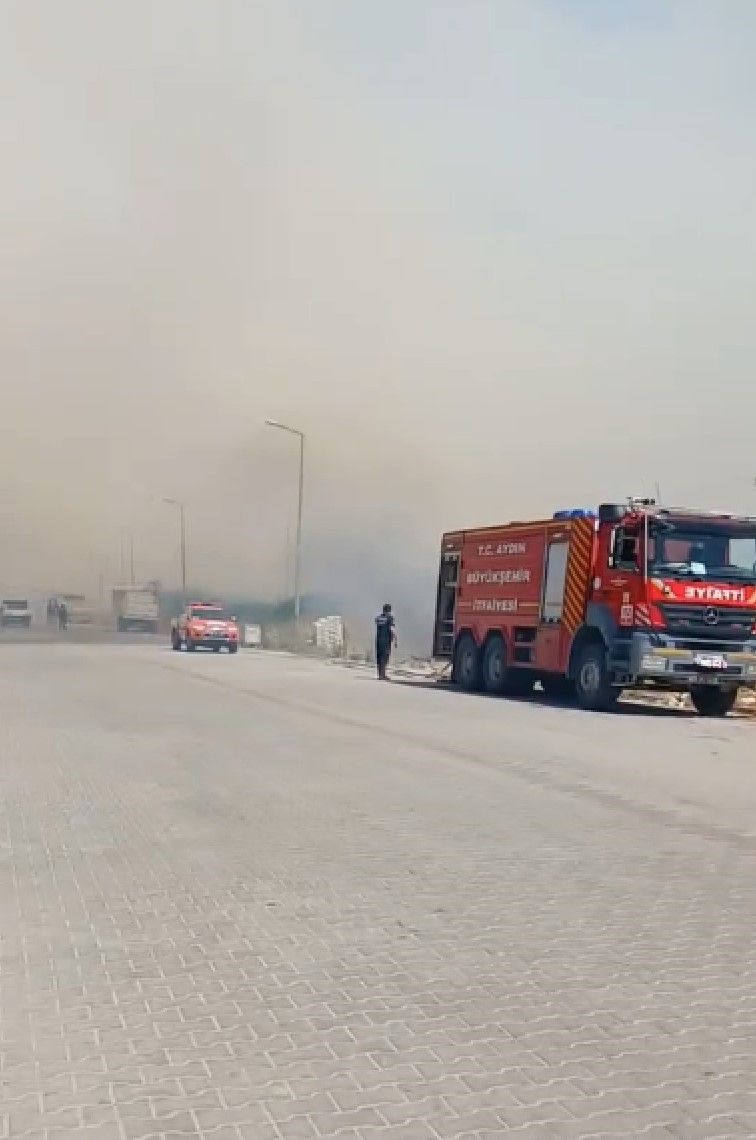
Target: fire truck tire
233,648
467,664
175,641
496,675
593,682
713,702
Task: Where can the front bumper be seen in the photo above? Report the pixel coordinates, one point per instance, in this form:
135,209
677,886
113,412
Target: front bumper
213,639
674,665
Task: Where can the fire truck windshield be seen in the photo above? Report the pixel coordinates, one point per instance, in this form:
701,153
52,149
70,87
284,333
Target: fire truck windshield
715,551
209,613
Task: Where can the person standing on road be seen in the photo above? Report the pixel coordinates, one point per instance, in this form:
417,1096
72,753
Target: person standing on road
62,615
385,639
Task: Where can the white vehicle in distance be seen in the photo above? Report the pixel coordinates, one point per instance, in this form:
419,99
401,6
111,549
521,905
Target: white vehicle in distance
136,609
15,611
77,609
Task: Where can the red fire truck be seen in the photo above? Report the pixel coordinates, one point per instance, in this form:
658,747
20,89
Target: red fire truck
591,603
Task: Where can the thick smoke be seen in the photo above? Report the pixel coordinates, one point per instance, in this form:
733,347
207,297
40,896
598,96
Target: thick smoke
494,258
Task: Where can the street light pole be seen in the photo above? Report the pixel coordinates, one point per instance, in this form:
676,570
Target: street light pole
181,507
183,550
300,500
298,539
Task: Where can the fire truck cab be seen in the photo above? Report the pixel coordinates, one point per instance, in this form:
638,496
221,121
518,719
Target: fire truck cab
591,603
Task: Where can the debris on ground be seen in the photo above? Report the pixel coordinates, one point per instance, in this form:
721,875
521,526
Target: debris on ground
422,669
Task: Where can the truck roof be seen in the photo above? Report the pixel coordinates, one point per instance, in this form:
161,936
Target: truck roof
455,537
628,510
683,514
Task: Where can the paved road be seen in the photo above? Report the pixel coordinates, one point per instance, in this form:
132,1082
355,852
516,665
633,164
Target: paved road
74,635
263,898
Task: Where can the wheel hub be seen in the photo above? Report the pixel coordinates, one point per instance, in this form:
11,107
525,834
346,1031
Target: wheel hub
590,677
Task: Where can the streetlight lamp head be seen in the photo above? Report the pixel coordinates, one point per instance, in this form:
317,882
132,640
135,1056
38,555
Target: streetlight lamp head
285,427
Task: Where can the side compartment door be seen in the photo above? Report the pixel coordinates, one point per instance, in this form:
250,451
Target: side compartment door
446,604
549,638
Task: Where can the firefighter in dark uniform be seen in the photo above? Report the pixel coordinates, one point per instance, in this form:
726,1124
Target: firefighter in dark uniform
385,639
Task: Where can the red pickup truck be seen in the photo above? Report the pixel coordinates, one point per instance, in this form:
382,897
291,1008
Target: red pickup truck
204,625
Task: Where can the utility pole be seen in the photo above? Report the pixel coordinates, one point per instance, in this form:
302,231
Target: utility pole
300,502
298,540
181,507
287,566
183,551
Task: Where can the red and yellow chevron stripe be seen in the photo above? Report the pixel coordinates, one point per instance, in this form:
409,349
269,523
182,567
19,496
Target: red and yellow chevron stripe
578,571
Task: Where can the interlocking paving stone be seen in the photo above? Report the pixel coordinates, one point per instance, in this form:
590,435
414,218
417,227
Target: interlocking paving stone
260,898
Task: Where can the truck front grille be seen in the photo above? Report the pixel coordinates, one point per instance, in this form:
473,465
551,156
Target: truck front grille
733,623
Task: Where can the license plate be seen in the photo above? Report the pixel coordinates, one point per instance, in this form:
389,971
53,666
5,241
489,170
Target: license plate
710,661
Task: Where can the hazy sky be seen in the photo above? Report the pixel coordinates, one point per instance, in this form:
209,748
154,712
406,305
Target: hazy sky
494,257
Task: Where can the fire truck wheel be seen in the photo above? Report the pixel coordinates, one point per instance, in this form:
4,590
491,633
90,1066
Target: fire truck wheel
467,664
713,702
593,683
175,642
496,675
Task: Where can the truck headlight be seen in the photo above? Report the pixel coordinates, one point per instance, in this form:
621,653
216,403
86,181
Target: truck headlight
650,663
